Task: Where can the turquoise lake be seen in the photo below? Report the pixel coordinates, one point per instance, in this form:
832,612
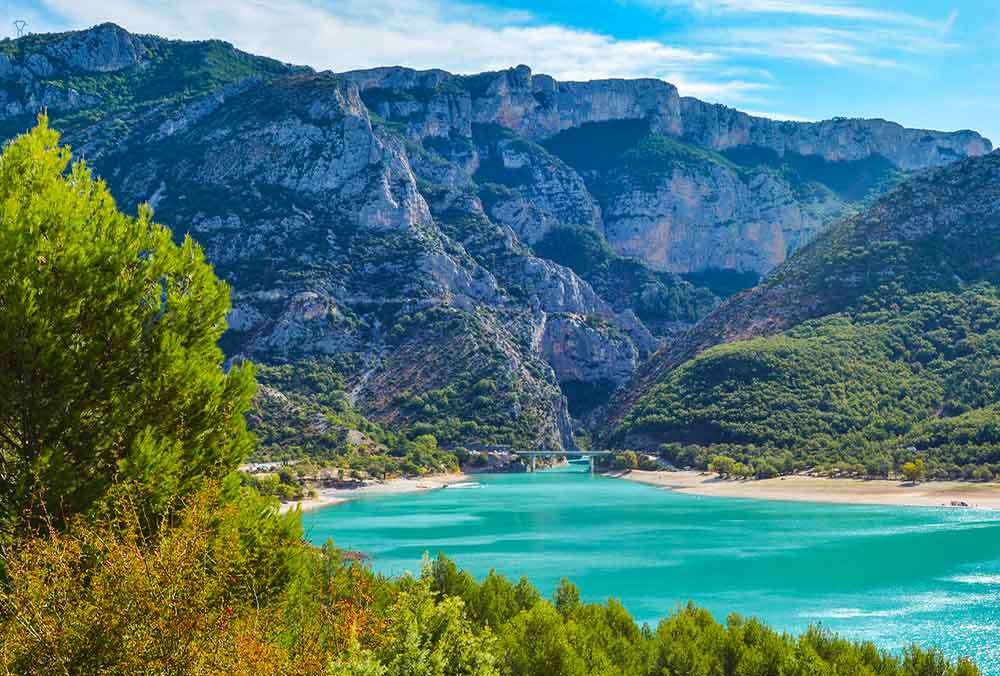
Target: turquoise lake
890,575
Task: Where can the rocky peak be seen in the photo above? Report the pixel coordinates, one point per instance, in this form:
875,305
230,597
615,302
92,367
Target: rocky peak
106,48
397,77
538,106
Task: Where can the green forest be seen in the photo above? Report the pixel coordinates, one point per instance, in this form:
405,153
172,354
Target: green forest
855,393
128,545
301,411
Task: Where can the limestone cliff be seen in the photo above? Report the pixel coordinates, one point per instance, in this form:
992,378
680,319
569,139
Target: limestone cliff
737,207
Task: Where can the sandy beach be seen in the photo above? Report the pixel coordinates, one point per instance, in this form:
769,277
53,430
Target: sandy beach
816,489
332,496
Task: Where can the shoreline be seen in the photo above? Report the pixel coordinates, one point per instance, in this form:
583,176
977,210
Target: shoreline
800,488
325,497
791,488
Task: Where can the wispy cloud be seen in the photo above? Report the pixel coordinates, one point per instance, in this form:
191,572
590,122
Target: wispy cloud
728,90
950,21
778,116
820,31
460,37
874,47
804,8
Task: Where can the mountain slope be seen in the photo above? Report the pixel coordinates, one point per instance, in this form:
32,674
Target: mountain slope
881,335
445,242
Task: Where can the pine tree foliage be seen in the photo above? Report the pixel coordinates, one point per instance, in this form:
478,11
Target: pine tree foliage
109,369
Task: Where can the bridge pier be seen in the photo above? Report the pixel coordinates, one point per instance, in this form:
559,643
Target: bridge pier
591,458
533,458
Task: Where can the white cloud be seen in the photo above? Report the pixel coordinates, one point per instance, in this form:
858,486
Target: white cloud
727,90
876,47
829,32
350,34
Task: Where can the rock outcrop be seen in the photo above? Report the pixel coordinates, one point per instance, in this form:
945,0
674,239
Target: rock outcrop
709,216
538,107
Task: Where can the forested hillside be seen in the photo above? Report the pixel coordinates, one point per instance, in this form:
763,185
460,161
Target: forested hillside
875,345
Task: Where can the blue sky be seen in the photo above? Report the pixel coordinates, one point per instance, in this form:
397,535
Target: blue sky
925,63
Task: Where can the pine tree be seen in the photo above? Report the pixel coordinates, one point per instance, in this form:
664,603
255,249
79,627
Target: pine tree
109,368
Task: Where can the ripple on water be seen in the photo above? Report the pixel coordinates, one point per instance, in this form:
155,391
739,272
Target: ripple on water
410,521
980,579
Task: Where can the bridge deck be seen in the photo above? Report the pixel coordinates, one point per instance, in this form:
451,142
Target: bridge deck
572,454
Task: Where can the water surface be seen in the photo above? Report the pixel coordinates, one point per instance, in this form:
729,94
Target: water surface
891,575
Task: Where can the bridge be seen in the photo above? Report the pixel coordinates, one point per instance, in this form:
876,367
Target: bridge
545,453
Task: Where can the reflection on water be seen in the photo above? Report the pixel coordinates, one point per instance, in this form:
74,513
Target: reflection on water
890,575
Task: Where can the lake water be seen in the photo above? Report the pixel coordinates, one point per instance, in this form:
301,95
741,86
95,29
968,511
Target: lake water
891,575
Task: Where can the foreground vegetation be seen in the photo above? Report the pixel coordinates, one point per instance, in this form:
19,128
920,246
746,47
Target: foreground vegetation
223,591
128,545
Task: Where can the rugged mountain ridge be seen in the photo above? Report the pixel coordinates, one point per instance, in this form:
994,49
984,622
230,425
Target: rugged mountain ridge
932,233
718,197
539,107
390,221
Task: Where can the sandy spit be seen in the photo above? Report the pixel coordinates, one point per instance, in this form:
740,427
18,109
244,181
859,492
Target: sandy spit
331,496
800,488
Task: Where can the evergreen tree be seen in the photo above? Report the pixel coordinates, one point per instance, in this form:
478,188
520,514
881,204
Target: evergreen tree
109,369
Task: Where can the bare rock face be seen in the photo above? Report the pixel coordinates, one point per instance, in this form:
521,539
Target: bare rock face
694,216
840,139
23,74
436,109
586,349
538,106
711,217
529,189
103,49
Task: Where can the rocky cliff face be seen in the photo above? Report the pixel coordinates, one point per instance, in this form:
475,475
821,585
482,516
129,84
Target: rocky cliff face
709,216
538,107
313,212
389,220
744,215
